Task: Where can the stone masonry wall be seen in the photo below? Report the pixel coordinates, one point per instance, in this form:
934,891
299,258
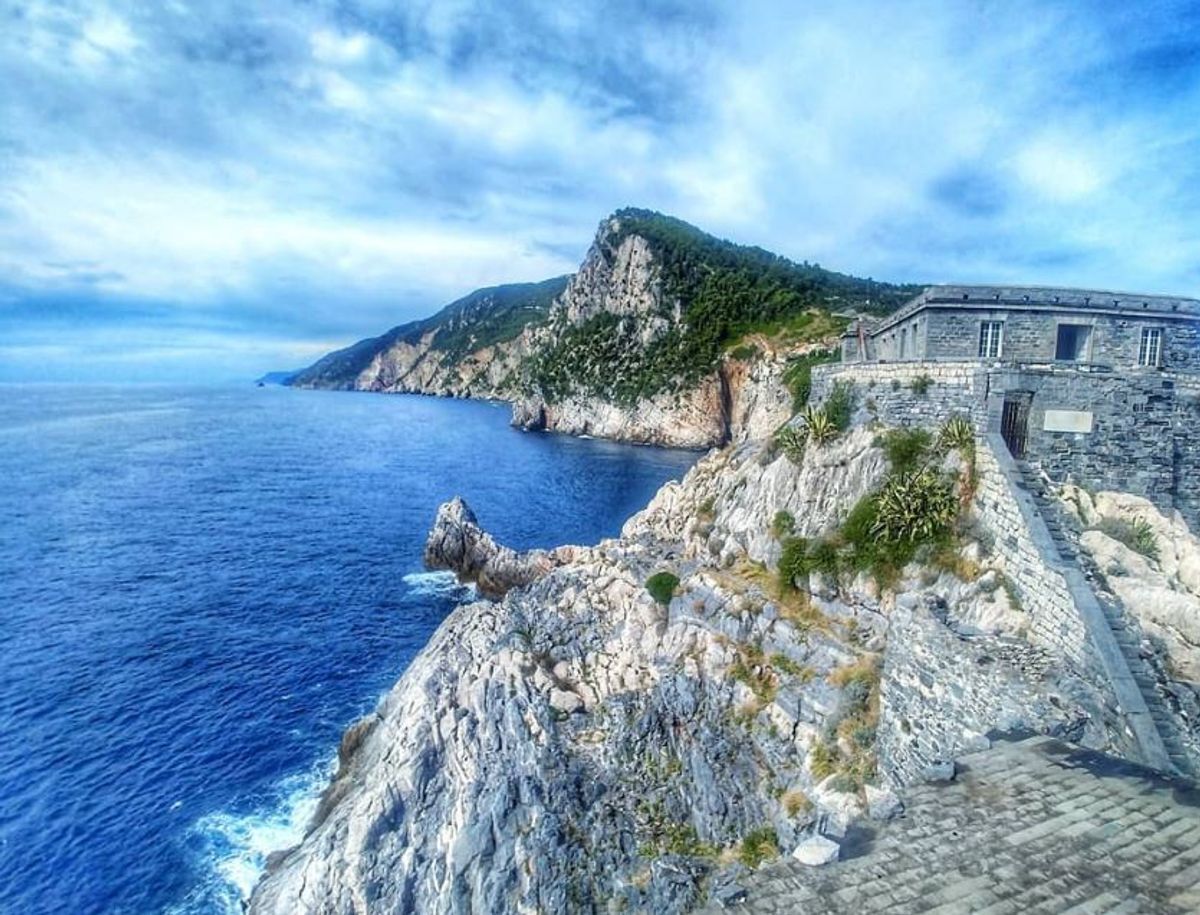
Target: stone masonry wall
942,692
953,388
1131,445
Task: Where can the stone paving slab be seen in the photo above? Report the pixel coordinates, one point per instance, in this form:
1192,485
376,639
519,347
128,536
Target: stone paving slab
1026,827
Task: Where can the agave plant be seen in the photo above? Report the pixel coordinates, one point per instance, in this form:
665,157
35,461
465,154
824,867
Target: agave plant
915,507
956,434
791,440
821,427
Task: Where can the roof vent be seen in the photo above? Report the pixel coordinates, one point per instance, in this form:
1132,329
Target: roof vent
965,296
1087,300
1145,304
1056,298
1118,302
997,297
1025,297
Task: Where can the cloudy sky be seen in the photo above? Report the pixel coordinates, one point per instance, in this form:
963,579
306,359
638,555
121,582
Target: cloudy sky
209,189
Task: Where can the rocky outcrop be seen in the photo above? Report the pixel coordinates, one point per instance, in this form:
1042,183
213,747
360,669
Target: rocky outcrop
579,746
1161,590
457,542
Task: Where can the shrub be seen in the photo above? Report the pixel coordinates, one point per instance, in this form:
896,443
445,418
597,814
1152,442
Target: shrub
705,511
1138,535
793,562
956,434
823,557
798,375
921,385
915,507
819,426
783,524
906,449
661,586
791,440
796,802
839,405
744,353
786,665
758,846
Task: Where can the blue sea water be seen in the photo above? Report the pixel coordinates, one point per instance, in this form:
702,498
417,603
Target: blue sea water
201,587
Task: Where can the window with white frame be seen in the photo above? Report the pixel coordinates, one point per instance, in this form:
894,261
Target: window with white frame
1150,346
991,336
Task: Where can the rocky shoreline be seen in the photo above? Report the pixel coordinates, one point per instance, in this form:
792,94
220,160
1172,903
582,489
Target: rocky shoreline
576,743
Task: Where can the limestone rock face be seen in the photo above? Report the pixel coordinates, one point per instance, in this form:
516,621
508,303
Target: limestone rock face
1163,592
578,746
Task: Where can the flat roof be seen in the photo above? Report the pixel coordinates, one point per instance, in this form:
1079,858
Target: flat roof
1103,301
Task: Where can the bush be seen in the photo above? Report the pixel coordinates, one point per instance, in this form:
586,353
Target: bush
662,586
744,353
798,375
915,507
823,557
1138,535
758,846
793,562
921,385
907,449
839,405
818,425
783,524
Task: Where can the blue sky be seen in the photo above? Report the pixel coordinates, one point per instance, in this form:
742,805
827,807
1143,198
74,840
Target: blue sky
205,190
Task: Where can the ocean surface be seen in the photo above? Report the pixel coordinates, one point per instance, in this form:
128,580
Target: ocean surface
201,587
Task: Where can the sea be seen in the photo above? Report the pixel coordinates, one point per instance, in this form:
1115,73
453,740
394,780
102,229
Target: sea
201,587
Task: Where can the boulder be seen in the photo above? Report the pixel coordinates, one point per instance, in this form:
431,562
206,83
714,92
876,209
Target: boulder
817,850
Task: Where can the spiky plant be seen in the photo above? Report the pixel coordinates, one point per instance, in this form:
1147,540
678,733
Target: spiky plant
915,507
791,441
956,434
821,427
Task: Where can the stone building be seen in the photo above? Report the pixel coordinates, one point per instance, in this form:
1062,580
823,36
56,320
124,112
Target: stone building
1097,388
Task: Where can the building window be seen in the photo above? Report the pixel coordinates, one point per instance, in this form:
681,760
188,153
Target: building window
991,335
903,342
1073,342
1150,347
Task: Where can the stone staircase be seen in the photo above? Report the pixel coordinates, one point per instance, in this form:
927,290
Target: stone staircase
1064,531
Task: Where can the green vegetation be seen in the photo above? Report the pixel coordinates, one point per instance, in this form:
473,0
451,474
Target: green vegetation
839,405
706,509
661,586
725,291
798,375
921,385
744,352
915,507
791,441
818,425
494,315
783,524
957,433
1138,535
752,669
906,449
667,836
758,846
793,562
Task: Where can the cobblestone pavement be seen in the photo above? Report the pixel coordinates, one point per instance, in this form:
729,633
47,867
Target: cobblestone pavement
1029,826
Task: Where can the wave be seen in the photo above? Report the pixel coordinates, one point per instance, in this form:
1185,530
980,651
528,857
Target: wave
233,847
437,584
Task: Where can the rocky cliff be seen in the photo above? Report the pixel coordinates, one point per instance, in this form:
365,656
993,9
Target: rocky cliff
631,726
640,344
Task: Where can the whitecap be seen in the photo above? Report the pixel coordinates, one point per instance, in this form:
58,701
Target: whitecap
436,584
234,847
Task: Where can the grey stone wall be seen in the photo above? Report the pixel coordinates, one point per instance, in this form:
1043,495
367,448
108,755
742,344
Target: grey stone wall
887,390
1131,445
942,692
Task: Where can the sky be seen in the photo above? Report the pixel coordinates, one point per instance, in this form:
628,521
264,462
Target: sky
210,190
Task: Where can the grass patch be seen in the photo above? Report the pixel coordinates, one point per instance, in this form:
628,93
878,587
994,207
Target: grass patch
758,846
907,449
921,385
797,376
1138,535
783,524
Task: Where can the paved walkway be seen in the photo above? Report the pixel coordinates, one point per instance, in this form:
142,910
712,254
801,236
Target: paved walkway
1026,827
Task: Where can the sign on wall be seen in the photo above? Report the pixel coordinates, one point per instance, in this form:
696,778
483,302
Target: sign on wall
1068,421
